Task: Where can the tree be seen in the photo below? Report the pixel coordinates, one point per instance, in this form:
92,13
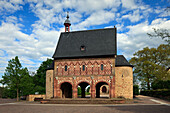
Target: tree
16,79
26,83
40,77
135,90
1,91
162,33
79,90
151,64
12,75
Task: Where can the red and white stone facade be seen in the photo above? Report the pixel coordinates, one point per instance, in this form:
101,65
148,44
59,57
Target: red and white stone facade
89,71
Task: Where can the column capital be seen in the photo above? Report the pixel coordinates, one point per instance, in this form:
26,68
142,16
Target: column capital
56,78
111,77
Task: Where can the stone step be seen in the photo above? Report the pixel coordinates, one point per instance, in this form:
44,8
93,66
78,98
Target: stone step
83,101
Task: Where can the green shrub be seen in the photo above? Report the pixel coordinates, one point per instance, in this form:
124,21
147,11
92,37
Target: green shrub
161,84
135,90
160,93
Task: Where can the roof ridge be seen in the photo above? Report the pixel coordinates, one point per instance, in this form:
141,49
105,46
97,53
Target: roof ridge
88,30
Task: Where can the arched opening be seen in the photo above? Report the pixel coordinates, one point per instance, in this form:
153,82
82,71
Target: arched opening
66,89
102,90
83,90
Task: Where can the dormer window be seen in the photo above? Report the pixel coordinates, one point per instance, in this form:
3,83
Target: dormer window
82,48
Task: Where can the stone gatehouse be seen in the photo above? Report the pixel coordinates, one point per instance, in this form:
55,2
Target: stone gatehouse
88,58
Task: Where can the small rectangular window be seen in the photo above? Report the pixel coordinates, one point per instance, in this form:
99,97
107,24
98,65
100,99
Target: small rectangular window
102,67
65,68
83,67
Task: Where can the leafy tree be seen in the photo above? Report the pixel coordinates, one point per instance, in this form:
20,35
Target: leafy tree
16,79
40,77
150,64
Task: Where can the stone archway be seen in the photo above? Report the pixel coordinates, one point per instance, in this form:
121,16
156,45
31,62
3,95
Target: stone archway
83,86
66,90
104,89
98,88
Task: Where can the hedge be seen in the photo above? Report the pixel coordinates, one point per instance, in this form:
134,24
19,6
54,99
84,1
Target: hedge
161,84
160,93
135,90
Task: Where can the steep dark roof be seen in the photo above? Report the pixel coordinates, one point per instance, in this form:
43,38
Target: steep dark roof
100,42
121,61
51,66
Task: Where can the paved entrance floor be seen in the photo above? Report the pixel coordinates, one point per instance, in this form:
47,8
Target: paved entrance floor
140,99
141,104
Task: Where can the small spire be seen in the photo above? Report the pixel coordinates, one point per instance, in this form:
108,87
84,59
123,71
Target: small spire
67,15
67,23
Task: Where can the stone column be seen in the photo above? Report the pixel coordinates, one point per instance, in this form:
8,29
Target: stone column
58,91
112,78
92,88
74,88
112,87
55,88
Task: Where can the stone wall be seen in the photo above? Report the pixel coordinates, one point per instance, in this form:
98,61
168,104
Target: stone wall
49,84
124,82
32,97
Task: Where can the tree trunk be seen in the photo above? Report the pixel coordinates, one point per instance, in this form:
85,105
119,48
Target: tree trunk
17,95
148,84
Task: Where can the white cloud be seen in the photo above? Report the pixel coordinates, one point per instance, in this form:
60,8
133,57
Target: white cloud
26,61
97,18
50,12
130,4
41,43
17,1
136,38
1,53
11,19
10,6
133,17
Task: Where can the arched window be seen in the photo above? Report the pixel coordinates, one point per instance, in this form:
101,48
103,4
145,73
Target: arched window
83,67
102,67
65,68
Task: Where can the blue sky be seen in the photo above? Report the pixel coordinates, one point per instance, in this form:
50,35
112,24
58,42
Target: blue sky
30,28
